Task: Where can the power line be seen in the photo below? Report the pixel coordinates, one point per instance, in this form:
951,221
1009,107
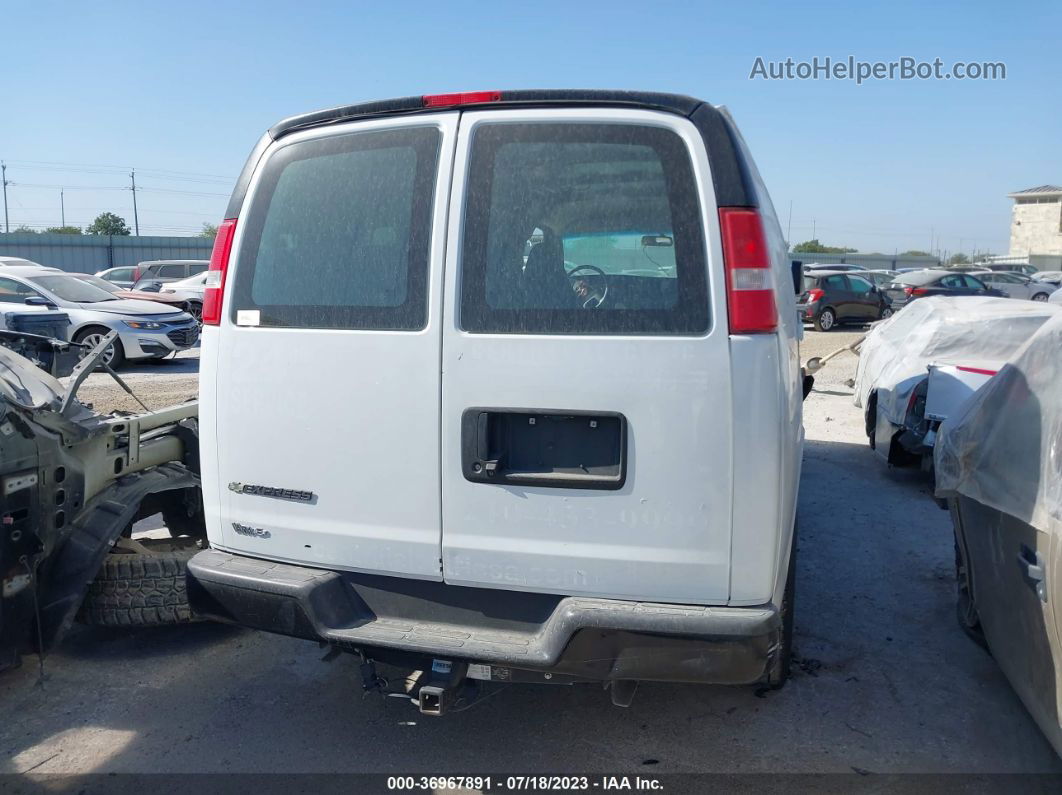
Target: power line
48,165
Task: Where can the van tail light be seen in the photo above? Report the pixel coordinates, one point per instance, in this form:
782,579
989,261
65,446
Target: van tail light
461,98
215,278
815,294
749,287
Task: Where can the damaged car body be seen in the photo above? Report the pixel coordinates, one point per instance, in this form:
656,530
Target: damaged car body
72,482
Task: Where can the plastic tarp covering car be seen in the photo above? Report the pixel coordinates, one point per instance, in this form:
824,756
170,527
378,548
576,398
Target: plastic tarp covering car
1004,448
966,330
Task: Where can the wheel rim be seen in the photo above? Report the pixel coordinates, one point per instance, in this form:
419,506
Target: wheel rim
826,320
92,340
887,312
1040,297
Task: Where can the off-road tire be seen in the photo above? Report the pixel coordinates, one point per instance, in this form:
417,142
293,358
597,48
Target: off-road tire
141,590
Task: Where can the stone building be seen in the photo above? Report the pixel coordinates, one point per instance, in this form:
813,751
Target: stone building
1036,226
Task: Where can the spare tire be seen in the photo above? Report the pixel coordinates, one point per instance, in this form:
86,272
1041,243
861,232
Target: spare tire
141,589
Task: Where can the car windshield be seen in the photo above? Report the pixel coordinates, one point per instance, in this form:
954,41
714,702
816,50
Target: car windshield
103,284
638,253
71,288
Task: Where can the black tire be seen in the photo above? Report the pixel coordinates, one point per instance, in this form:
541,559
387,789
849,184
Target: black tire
1040,297
965,610
118,359
886,312
185,521
825,320
141,590
778,674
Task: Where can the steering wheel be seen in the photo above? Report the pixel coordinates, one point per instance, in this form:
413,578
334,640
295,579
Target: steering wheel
595,297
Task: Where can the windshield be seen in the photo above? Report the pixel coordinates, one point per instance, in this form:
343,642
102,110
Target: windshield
642,253
71,288
103,284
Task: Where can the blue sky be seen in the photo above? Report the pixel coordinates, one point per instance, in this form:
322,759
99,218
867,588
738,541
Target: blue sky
187,88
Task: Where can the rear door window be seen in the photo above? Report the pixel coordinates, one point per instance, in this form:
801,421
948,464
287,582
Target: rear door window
835,283
860,286
338,233
582,228
172,271
123,274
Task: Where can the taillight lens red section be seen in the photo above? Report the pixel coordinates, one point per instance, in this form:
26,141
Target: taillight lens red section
461,98
815,294
215,279
749,287
914,292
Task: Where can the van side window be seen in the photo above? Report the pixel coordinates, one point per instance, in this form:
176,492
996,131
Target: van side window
338,233
582,228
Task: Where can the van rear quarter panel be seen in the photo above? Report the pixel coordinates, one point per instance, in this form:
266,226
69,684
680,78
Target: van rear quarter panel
768,425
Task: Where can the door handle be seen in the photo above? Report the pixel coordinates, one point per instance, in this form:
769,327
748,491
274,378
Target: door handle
1033,571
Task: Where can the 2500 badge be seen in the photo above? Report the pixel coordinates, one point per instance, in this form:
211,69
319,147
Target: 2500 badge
295,495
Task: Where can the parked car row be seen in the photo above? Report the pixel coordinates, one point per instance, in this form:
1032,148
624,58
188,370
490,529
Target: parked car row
146,329
153,272
838,294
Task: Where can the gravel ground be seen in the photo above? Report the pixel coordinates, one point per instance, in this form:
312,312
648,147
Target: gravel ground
884,679
157,384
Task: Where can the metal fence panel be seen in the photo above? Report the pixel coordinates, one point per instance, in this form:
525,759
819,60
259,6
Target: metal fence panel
92,253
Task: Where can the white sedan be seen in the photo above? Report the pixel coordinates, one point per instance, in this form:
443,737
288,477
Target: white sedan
1017,285
190,290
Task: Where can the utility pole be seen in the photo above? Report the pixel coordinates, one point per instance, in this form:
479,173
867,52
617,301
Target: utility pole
3,178
813,227
62,206
136,220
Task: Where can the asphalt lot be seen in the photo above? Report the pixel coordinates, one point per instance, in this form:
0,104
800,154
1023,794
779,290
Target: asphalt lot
884,680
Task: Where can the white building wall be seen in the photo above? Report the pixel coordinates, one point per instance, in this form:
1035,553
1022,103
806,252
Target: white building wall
1036,229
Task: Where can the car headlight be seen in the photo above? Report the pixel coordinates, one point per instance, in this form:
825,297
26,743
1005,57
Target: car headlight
149,325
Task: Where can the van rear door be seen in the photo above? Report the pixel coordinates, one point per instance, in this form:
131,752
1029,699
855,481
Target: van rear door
326,383
586,400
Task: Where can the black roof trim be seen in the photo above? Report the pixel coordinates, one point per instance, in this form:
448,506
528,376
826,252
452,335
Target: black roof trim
732,182
672,103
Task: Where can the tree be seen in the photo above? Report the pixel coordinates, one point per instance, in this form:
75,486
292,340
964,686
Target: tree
815,247
209,230
63,230
915,253
958,259
108,224
24,230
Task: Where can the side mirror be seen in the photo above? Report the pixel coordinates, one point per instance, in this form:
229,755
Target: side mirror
796,267
38,300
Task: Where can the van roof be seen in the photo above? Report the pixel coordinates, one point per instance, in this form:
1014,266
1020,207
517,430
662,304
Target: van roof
730,175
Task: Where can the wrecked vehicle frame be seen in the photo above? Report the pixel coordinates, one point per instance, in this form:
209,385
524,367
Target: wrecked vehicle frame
72,482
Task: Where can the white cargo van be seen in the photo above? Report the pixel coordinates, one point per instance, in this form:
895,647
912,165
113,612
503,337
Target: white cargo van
505,385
